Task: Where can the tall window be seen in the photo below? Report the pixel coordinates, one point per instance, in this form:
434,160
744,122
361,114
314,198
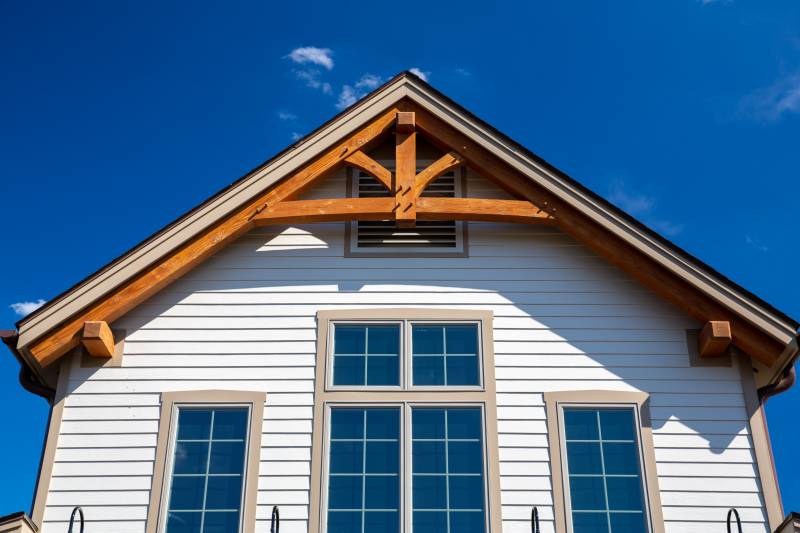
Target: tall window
602,462
205,478
405,423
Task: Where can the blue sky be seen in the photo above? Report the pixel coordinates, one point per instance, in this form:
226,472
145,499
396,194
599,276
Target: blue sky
116,117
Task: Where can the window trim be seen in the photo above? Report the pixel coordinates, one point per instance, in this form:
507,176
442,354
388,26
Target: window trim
325,397
170,401
554,403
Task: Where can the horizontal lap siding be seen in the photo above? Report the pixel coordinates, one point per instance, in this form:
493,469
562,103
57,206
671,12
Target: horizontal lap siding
245,320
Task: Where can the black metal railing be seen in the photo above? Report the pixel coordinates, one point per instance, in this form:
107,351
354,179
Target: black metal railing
733,512
535,520
275,522
72,519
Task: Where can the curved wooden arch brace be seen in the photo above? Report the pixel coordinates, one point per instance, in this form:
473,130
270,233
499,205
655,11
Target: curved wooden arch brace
362,161
444,164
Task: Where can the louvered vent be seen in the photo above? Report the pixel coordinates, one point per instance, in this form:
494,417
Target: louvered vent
424,236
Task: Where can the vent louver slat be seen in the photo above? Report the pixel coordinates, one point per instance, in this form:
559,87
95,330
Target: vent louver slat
425,234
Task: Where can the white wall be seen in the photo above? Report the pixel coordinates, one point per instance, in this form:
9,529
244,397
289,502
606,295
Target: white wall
245,320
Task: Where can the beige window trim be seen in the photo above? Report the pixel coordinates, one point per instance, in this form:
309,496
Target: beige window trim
639,400
325,396
169,400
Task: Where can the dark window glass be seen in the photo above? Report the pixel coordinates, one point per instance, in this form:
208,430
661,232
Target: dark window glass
366,354
364,477
445,354
605,479
207,470
448,487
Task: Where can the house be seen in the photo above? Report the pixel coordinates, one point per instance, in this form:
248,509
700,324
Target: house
406,320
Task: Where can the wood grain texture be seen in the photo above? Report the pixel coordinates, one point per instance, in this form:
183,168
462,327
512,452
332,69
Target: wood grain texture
444,164
714,338
657,278
335,210
479,209
98,339
109,308
362,161
405,174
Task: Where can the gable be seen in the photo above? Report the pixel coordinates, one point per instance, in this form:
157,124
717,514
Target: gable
543,196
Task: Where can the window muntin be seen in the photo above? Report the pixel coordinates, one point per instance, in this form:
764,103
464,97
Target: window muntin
364,470
207,470
605,486
445,354
366,355
448,485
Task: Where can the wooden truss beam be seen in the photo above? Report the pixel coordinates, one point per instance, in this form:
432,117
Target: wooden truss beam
482,210
614,249
362,161
109,308
714,338
444,164
405,174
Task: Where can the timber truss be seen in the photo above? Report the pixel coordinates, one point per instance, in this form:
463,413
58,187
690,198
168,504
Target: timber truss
404,203
532,204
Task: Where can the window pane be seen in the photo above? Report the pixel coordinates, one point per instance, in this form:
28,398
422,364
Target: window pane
194,424
191,457
427,339
207,470
445,354
618,424
591,523
369,493
448,485
366,355
223,492
227,458
604,471
184,522
227,522
230,424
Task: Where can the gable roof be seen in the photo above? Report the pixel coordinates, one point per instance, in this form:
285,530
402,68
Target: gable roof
721,292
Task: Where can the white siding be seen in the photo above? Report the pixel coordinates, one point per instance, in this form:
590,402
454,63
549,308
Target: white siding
564,320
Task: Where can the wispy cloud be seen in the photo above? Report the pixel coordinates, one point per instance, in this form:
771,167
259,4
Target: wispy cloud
312,55
755,244
420,73
286,116
772,103
350,94
462,71
642,207
26,308
311,77
295,136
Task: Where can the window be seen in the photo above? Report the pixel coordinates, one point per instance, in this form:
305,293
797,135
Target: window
601,445
206,472
366,354
371,354
426,237
413,448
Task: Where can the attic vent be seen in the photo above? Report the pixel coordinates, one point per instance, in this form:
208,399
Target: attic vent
425,237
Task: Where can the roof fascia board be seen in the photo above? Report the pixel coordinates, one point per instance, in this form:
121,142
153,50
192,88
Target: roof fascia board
197,221
780,329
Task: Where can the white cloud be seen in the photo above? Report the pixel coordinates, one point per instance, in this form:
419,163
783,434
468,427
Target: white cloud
295,136
754,243
311,79
641,206
26,308
772,103
285,115
350,94
419,73
312,54
464,72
